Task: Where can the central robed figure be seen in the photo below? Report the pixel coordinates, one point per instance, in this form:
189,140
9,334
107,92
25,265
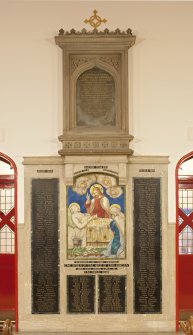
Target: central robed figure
96,221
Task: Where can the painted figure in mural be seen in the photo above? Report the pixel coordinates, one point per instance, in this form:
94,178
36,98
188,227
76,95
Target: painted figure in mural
99,205
118,216
116,247
77,223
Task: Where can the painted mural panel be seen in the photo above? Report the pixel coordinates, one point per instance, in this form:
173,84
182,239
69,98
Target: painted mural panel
95,219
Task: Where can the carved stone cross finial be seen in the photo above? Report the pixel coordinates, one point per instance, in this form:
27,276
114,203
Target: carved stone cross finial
95,20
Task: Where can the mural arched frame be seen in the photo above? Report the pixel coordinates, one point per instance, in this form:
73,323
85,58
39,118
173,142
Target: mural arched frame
95,62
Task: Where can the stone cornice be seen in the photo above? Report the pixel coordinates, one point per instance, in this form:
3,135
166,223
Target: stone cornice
106,32
124,38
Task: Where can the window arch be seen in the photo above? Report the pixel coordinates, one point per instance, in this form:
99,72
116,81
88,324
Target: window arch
184,238
8,239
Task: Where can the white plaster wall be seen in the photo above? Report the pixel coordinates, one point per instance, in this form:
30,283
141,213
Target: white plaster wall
161,76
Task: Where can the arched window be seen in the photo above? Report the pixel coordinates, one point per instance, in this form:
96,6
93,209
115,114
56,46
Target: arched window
8,239
185,206
184,238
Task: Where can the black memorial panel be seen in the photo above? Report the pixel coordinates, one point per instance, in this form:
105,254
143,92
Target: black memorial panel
112,294
147,245
45,257
80,294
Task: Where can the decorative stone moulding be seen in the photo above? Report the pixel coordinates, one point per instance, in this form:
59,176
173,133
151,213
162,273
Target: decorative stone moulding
95,91
97,32
94,145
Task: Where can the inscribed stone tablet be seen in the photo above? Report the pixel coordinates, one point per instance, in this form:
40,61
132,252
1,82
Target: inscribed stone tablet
45,276
112,294
95,99
147,245
80,294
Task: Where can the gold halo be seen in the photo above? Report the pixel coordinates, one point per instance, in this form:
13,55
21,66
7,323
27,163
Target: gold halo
115,206
96,186
74,204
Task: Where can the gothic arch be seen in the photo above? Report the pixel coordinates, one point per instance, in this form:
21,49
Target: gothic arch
94,63
8,239
184,240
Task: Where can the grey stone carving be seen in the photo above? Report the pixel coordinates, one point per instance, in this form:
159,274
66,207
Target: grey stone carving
95,94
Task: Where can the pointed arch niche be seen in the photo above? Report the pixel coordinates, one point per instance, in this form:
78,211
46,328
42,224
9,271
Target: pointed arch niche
8,239
184,237
95,98
95,91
